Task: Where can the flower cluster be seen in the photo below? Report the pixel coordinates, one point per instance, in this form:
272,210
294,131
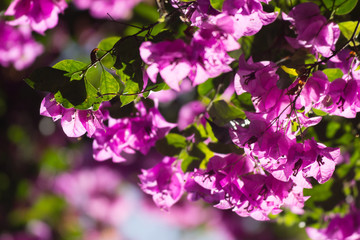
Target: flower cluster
206,55
95,193
204,58
40,15
75,123
277,161
128,135
313,29
344,228
233,182
18,47
165,182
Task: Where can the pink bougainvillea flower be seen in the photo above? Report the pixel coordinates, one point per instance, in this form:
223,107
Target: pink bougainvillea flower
255,78
94,192
244,17
249,15
17,46
165,182
188,113
130,134
169,59
209,57
313,92
342,98
206,57
311,159
39,14
233,182
74,122
313,29
341,228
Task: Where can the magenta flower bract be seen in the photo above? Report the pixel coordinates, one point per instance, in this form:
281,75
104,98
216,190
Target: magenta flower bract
169,59
206,57
188,113
209,57
74,122
39,14
165,182
313,29
310,159
17,46
95,193
233,182
339,228
342,98
128,135
247,17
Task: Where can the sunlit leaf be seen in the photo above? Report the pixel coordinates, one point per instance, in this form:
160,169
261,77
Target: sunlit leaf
333,73
222,113
341,7
171,145
217,4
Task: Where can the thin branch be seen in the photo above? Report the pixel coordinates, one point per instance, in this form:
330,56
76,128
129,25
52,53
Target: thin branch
122,22
126,94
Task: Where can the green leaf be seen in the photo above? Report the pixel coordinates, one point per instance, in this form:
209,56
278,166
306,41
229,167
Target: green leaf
108,85
285,79
208,154
222,113
70,66
197,157
54,80
127,49
319,192
319,112
47,79
294,126
196,131
130,92
341,7
104,46
74,91
348,28
290,71
132,78
171,145
149,12
221,133
224,148
188,162
47,207
91,98
129,65
243,101
217,4
157,87
333,73
246,44
52,160
108,43
206,87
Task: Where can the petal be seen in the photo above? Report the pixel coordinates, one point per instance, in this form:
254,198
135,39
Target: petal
71,123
